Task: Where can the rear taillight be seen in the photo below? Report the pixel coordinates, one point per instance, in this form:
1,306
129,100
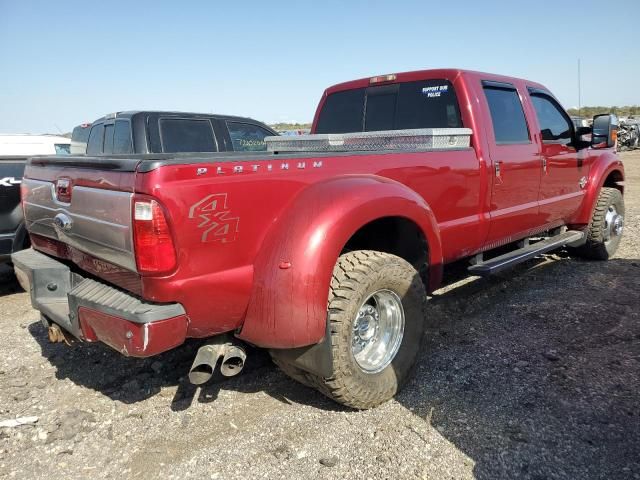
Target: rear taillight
154,249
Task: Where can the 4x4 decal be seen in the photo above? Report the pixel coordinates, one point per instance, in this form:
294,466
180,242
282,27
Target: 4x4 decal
214,218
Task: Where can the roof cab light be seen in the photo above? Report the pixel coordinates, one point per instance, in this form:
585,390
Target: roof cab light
154,248
382,78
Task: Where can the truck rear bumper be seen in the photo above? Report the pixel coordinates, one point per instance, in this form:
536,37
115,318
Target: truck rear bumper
93,311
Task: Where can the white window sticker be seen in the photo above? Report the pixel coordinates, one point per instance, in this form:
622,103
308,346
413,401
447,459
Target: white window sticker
435,91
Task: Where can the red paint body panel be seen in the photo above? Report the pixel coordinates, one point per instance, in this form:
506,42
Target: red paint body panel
129,338
239,222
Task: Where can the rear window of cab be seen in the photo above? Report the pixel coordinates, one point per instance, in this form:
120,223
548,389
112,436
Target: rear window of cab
408,105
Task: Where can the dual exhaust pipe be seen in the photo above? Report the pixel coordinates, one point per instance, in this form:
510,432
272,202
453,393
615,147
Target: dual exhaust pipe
207,359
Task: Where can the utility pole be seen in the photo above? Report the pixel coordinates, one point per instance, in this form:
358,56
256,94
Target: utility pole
579,91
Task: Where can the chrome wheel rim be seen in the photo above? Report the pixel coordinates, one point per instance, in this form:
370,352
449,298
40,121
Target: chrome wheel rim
377,331
613,224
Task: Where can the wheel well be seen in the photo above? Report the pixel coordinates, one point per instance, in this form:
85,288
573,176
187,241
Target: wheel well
613,180
396,235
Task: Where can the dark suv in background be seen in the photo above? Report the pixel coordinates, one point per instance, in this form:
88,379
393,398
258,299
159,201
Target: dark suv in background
170,132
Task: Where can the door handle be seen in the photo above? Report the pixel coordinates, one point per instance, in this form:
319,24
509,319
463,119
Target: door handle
544,165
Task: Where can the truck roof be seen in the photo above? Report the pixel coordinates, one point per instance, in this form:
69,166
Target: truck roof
131,113
415,75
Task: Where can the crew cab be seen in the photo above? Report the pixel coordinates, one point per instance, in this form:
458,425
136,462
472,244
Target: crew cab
169,132
324,248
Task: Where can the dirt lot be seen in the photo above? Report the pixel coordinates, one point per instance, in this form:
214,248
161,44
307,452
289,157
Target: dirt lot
532,374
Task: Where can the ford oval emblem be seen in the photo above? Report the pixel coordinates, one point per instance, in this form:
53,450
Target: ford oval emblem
62,222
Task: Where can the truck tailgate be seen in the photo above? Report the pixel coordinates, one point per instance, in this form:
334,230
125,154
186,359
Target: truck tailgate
93,220
79,209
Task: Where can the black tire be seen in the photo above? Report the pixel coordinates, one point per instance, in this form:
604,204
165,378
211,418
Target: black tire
596,246
356,276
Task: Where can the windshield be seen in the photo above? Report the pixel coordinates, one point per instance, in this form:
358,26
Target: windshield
408,105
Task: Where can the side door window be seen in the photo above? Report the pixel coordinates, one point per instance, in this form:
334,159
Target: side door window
122,137
96,136
507,116
247,137
555,126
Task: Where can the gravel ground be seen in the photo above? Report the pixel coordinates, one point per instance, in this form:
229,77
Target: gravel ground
531,374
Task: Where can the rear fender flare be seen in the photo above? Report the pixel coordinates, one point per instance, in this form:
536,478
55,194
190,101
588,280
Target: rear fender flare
292,272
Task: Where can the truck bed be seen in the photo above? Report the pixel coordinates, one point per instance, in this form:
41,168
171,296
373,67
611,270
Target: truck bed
282,148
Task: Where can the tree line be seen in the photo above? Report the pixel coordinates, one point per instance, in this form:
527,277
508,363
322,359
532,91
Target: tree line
290,126
626,111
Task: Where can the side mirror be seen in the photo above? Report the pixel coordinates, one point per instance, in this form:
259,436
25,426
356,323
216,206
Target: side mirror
604,131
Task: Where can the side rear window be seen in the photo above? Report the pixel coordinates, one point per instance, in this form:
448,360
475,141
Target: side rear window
122,137
187,135
507,116
108,139
247,137
407,105
555,126
94,145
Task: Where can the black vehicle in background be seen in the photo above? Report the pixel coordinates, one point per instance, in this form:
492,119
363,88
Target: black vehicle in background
170,132
130,132
13,235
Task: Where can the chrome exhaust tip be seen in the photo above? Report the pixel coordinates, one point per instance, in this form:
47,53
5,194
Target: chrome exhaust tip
208,356
233,361
205,363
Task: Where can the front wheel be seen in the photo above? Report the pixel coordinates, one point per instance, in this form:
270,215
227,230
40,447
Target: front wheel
376,315
605,229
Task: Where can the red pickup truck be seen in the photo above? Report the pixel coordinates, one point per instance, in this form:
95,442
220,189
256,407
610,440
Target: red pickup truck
324,248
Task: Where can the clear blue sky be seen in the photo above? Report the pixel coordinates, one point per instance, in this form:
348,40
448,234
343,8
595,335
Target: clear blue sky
66,62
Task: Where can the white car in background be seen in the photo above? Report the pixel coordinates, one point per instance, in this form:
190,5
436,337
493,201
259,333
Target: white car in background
26,144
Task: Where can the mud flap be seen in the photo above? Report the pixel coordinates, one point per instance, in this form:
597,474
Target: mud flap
316,359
